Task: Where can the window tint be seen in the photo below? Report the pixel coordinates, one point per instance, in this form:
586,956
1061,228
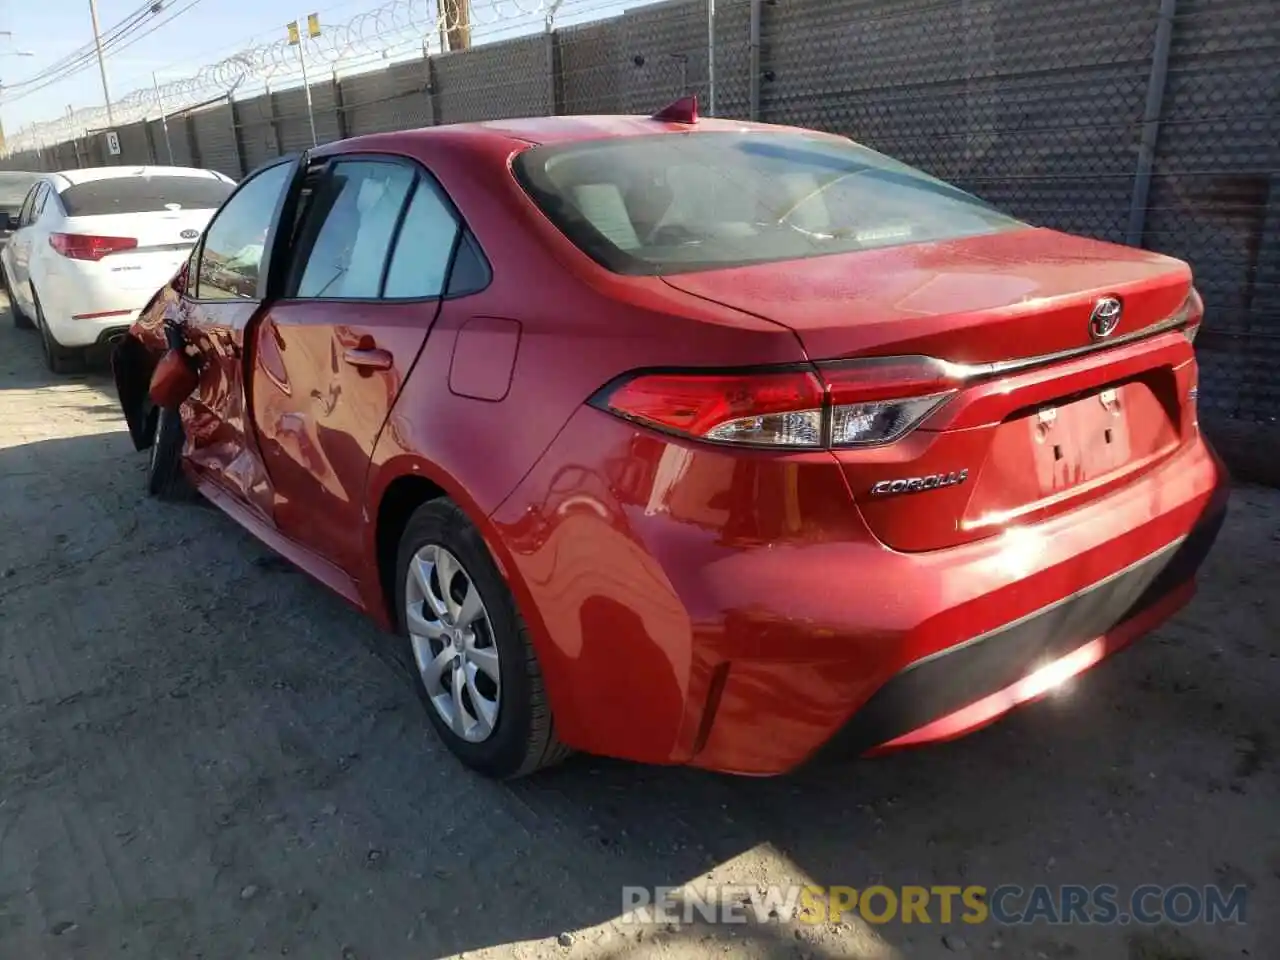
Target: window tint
348,228
31,208
234,243
144,195
421,258
666,204
42,201
24,216
470,273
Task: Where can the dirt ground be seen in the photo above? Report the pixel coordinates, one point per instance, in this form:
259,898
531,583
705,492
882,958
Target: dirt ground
205,754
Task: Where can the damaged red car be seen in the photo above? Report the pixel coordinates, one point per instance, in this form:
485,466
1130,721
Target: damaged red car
686,441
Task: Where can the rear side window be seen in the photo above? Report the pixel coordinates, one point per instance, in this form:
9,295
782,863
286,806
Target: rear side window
144,195
421,260
349,225
674,203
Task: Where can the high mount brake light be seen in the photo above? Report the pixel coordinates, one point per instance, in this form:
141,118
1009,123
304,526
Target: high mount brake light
859,403
82,246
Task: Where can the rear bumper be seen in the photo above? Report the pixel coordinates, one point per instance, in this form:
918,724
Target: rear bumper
1094,581
733,612
90,330
974,683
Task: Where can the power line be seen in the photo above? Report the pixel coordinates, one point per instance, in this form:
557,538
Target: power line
113,40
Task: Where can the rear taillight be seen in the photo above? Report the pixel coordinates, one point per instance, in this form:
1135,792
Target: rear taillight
881,399
859,403
83,246
1190,315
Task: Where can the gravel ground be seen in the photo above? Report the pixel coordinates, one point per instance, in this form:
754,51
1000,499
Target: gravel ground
205,754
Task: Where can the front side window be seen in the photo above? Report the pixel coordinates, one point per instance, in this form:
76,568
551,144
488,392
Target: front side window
348,228
235,243
673,203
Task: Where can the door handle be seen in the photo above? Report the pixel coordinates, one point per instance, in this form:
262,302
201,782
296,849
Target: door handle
371,359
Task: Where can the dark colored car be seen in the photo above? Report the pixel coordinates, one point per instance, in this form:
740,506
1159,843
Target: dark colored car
689,442
14,185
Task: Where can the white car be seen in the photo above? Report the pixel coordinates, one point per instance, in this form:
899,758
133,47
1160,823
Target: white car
90,247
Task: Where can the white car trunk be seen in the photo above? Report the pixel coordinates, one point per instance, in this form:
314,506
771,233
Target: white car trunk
161,249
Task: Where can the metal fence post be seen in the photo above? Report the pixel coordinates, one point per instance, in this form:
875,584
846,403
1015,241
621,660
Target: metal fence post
1151,123
237,138
753,64
429,78
711,58
339,105
556,88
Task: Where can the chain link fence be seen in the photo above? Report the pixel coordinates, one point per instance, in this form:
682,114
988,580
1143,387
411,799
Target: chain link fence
1149,122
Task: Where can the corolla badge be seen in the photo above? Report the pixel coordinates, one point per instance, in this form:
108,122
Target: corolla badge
1105,317
916,484
189,234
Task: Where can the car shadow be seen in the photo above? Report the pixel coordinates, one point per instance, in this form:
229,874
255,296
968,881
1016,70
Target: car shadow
206,752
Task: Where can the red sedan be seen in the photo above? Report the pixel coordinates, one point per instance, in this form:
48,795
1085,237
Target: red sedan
691,442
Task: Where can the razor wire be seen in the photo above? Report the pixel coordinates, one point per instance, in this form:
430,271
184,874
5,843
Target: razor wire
393,29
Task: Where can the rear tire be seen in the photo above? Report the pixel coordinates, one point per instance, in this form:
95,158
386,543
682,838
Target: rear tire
164,469
20,319
57,358
521,738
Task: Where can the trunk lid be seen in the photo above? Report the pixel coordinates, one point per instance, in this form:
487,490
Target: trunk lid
1010,446
161,245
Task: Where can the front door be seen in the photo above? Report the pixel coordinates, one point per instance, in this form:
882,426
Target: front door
373,249
226,289
20,244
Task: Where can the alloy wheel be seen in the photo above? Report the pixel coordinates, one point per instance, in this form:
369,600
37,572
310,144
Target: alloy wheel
453,643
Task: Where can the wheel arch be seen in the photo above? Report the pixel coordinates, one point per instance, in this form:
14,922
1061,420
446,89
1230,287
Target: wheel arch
396,489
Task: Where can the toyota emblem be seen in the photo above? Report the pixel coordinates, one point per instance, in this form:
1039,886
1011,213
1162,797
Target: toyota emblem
1105,317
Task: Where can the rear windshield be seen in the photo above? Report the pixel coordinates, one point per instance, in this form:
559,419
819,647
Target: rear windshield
144,195
676,203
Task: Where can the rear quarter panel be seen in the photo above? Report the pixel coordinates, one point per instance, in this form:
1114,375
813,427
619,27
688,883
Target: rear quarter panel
579,329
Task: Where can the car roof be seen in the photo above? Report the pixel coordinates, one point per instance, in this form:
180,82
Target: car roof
540,131
89,174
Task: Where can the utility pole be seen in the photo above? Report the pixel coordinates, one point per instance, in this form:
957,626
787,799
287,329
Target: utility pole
102,64
164,119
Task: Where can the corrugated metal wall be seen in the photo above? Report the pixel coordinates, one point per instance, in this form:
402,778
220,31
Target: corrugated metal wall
1037,105
508,79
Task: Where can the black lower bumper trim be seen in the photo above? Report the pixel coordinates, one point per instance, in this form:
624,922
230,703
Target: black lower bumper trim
948,681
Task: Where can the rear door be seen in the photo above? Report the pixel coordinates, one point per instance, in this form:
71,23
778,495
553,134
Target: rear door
375,242
228,285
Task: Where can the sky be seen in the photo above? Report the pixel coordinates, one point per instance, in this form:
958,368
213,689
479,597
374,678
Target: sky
205,33
51,29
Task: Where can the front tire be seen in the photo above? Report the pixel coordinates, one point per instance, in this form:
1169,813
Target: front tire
474,666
